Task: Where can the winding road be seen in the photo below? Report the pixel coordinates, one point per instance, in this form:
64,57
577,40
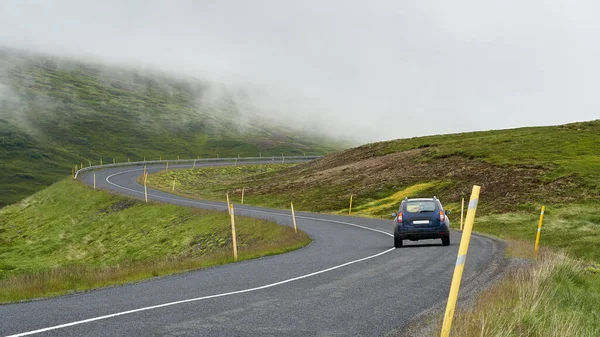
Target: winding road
348,282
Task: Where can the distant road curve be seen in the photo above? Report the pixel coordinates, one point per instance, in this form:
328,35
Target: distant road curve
348,282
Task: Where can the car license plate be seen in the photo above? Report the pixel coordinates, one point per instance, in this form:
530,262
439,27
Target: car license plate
421,222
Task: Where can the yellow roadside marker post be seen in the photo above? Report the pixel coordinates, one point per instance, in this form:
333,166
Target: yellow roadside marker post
94,180
100,161
167,169
235,256
173,184
89,162
260,154
227,195
462,212
194,164
73,172
282,158
350,208
243,188
81,164
235,161
460,262
146,186
76,168
294,218
539,232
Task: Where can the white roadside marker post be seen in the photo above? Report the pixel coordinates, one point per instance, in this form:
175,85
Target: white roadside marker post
462,212
145,186
539,232
234,240
294,218
350,208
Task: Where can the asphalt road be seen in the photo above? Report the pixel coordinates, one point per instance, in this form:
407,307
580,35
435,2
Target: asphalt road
349,281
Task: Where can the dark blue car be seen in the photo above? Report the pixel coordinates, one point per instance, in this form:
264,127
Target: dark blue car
421,219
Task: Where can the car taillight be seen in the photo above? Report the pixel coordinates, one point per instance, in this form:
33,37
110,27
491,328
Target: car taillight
399,219
442,216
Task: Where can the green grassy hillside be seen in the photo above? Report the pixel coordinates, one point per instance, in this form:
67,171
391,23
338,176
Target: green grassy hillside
518,171
55,113
70,237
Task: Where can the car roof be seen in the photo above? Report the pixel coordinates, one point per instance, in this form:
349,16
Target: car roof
420,199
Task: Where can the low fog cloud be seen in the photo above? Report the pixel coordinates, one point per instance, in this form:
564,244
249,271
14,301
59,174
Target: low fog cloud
365,70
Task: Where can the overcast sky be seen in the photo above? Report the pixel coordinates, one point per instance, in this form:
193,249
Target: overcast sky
367,70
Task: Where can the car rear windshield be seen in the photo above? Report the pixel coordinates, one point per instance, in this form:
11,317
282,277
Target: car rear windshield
419,206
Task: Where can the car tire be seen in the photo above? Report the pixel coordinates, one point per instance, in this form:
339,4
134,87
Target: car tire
397,242
446,241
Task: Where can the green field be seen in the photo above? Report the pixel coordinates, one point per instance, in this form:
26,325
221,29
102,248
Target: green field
56,113
69,237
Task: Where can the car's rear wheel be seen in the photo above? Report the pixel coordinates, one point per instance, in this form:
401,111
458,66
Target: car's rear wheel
446,241
397,242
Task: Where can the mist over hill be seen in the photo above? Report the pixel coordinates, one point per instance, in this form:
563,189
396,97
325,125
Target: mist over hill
56,112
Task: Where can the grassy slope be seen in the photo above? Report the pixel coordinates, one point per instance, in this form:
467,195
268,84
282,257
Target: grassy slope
213,183
70,237
518,171
55,113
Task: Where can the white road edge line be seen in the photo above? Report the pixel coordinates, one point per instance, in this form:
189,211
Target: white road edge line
198,298
93,319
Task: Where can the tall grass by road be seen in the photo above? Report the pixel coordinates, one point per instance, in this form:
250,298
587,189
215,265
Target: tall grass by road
551,296
69,237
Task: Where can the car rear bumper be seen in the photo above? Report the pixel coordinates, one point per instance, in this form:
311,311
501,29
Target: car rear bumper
422,234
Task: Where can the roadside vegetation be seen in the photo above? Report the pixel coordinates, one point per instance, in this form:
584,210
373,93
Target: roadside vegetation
69,238
551,295
55,113
518,171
